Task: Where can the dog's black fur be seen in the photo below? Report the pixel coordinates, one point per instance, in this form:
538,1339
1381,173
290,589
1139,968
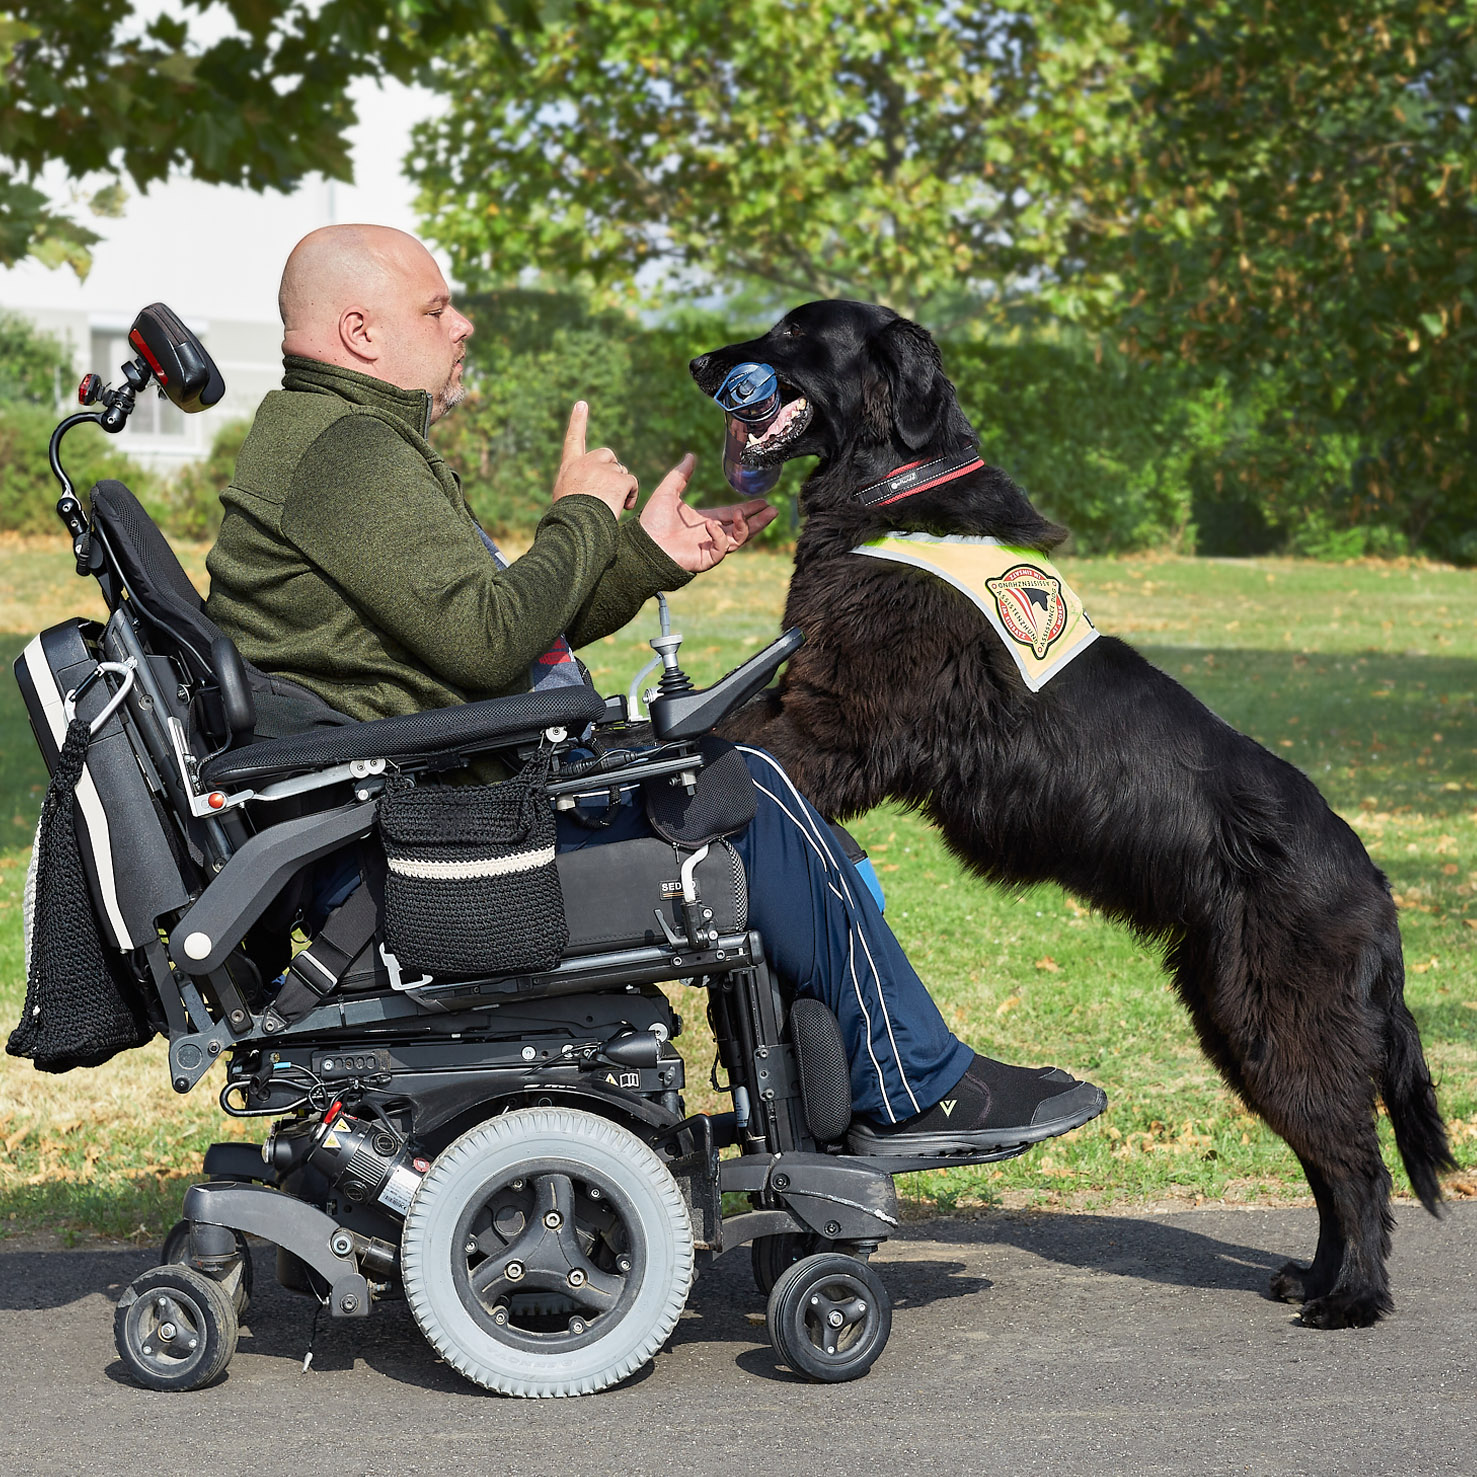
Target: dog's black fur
1113,781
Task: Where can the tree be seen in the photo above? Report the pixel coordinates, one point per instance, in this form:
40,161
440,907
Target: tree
86,85
933,156
1305,212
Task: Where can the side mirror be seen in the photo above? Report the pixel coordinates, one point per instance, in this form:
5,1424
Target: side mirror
186,373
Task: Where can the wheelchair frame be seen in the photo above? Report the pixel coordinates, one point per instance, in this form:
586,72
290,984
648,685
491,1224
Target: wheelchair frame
511,1152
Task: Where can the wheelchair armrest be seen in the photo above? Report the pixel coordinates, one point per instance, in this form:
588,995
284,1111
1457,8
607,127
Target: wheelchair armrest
689,714
466,728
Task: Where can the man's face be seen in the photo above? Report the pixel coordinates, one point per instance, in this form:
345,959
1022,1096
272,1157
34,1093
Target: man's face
424,337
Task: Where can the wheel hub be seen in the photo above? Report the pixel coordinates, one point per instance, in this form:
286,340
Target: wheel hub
547,1261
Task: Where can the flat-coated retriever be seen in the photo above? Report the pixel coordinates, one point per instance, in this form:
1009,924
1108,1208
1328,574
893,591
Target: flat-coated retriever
1112,780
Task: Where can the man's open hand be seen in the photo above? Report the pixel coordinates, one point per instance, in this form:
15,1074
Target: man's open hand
693,538
596,473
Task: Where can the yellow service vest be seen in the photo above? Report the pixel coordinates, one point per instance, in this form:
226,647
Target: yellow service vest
1035,612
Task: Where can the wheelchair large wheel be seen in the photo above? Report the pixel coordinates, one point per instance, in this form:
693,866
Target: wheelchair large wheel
829,1317
238,1281
547,1252
175,1329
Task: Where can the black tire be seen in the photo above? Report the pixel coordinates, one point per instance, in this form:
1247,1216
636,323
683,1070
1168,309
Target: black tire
772,1256
175,1329
547,1252
829,1317
176,1253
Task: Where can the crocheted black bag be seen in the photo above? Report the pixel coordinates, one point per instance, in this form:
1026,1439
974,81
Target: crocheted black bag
471,885
82,1003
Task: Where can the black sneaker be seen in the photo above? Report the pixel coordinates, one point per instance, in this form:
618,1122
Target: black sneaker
993,1106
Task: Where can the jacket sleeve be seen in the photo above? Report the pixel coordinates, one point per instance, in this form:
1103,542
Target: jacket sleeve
639,570
366,509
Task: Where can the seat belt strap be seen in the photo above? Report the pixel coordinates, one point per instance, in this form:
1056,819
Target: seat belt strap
315,971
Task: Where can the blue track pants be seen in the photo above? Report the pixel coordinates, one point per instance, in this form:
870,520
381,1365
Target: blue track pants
825,937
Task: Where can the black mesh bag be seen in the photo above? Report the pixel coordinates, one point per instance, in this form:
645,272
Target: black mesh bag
82,1004
471,885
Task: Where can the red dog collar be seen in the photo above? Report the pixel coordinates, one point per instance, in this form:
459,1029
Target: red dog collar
916,477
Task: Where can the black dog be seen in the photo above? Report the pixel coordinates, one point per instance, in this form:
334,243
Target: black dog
1112,781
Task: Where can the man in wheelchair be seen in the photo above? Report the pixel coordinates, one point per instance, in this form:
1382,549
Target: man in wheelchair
470,1064
349,561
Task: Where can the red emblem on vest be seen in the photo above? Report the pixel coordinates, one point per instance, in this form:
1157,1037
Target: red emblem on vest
1031,606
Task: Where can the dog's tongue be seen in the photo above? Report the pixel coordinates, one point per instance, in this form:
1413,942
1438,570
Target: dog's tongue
779,424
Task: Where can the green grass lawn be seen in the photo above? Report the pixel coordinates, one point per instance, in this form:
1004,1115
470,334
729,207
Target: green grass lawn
1363,675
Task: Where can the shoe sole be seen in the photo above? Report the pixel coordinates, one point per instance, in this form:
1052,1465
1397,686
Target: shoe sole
863,1140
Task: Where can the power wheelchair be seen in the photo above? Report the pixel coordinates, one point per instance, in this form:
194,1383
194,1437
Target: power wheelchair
508,1151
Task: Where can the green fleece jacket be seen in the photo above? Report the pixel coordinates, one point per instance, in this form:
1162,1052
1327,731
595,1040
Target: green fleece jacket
349,561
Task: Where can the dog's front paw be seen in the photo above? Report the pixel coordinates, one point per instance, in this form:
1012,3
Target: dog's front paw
1289,1283
1350,1309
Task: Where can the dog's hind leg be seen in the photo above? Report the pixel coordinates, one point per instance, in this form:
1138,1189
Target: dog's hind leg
1296,1282
1328,1120
1304,1058
1353,1242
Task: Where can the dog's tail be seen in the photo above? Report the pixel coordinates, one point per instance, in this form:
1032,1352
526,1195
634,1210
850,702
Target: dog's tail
1406,1086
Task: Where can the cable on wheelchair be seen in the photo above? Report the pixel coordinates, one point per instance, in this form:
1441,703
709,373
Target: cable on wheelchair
315,1092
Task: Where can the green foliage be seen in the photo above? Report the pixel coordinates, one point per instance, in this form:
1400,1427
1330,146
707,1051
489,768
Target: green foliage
86,85
1304,208
28,491
35,368
1105,446
1267,209
930,156
188,505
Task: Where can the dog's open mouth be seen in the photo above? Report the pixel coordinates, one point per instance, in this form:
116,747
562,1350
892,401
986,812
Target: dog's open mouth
786,428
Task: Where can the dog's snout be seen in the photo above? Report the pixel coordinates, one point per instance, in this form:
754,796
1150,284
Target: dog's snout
696,366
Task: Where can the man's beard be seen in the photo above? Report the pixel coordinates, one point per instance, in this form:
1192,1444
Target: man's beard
450,395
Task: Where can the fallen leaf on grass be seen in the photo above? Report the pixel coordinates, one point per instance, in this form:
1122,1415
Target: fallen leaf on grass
1432,963
1049,964
16,1139
1009,1003
1470,922
1466,1187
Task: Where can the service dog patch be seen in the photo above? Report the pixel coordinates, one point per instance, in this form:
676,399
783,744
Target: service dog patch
1033,609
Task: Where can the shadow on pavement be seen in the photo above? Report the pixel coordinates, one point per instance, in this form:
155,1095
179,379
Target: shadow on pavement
1151,1248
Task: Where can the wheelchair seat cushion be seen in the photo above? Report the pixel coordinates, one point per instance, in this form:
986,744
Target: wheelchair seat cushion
467,728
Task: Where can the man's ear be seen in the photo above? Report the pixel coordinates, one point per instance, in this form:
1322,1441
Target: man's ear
357,335
905,394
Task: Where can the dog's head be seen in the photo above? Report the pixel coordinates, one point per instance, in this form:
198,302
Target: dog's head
864,390
860,385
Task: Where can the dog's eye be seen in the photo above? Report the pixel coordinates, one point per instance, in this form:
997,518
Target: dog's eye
789,330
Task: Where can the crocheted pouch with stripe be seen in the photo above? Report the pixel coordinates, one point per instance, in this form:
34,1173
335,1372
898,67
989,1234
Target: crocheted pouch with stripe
471,886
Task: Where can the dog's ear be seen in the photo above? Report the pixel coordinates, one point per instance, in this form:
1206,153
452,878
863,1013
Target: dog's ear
904,393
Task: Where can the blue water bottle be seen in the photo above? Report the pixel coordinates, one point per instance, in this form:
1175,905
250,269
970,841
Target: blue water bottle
750,393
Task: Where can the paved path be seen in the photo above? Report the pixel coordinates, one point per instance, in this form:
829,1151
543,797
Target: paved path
1022,1343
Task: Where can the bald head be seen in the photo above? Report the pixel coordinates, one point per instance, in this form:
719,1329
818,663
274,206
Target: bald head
372,299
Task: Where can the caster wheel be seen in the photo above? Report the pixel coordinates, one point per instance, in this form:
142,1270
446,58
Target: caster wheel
547,1252
829,1317
772,1256
176,1252
175,1329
